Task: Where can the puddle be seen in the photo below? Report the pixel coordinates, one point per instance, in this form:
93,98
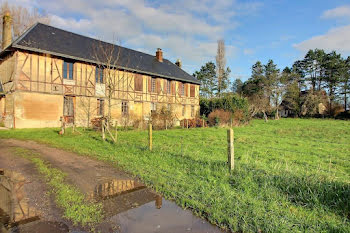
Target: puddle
16,215
42,227
135,208
127,204
14,206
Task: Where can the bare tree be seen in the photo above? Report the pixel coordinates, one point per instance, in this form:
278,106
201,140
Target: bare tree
220,64
22,18
110,62
222,73
258,105
87,111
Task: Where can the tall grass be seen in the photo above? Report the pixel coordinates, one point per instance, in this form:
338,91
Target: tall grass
290,175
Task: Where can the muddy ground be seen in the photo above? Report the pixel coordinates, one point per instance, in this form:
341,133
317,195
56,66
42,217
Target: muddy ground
129,206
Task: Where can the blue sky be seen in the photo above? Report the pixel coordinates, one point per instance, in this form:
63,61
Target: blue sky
281,30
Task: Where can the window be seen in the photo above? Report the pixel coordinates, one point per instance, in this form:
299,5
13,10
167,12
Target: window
153,107
183,110
169,107
192,90
138,82
181,89
68,70
125,108
153,85
99,75
100,107
192,111
168,86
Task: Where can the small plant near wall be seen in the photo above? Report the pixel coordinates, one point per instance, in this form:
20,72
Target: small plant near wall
162,118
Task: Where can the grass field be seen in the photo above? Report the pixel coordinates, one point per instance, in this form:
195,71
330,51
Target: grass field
291,175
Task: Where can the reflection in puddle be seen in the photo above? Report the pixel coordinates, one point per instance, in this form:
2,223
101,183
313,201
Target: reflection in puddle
14,206
16,215
114,188
135,208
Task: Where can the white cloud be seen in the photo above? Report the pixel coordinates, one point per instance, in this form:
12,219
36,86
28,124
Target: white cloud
338,12
186,29
335,39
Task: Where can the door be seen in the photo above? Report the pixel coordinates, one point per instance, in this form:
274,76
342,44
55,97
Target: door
68,109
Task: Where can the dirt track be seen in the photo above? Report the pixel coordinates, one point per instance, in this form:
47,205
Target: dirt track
35,188
129,206
83,172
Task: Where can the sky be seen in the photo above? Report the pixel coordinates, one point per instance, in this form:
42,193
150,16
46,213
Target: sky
281,30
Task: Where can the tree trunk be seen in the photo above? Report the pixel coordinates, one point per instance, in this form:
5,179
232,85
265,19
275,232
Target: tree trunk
277,116
265,116
345,101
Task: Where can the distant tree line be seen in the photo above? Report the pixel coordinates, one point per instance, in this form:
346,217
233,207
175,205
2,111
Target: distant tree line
317,84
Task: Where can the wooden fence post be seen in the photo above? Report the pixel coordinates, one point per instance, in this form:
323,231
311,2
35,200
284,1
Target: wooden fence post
103,129
150,136
187,123
116,132
73,130
62,125
230,149
203,123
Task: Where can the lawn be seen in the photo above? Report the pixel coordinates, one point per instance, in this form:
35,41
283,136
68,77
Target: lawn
291,175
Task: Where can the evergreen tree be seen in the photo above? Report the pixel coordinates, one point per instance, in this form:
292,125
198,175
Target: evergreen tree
207,76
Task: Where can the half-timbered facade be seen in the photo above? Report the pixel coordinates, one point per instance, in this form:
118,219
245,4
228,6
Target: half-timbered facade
49,73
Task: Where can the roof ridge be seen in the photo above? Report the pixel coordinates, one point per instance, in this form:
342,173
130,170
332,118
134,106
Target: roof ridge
98,40
48,39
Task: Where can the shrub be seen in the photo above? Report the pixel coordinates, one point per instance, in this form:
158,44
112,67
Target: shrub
162,118
219,117
228,103
193,123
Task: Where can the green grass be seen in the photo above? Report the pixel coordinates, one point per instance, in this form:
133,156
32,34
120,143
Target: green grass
290,175
69,198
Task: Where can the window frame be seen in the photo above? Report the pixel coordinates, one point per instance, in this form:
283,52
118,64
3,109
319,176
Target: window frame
125,108
182,89
68,70
153,85
153,107
168,87
183,110
99,75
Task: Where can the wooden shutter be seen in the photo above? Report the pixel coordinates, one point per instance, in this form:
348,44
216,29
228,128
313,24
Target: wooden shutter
149,84
192,90
173,88
186,89
158,85
179,87
138,82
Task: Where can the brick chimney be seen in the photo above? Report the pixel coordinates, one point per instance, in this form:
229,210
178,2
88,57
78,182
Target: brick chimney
159,55
178,63
6,30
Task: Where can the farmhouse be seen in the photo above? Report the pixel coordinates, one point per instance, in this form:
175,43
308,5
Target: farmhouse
48,73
